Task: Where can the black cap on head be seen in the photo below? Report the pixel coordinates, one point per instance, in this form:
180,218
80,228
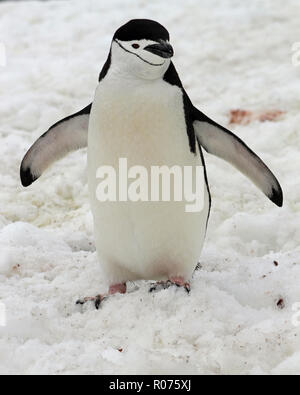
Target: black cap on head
139,29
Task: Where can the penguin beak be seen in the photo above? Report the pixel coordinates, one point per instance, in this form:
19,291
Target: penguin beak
163,49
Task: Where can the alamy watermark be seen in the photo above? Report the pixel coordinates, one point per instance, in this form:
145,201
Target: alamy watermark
2,55
296,54
160,183
296,316
2,314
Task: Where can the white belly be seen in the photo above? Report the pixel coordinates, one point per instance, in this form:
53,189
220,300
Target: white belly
146,125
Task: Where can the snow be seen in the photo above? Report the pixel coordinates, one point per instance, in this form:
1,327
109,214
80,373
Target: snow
230,54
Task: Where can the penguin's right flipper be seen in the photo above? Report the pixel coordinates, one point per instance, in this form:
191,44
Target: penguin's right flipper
66,135
219,141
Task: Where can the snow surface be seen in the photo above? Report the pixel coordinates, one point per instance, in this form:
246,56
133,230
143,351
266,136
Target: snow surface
230,54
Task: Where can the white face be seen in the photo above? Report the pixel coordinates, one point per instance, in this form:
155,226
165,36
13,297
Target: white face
131,60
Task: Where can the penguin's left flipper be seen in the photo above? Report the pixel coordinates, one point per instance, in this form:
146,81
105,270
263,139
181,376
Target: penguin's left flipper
66,135
219,141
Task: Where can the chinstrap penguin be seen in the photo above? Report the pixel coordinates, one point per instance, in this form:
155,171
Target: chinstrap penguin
142,112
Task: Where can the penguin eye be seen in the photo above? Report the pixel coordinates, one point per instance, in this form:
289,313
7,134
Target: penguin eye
135,46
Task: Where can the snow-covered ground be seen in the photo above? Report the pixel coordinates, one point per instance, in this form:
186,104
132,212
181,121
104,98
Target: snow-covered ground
241,315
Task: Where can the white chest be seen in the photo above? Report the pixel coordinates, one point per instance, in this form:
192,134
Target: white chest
143,122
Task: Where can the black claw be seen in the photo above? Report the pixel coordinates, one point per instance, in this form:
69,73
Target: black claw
98,301
153,288
167,284
199,266
187,288
160,284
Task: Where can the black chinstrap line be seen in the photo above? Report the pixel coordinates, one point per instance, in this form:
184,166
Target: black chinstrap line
146,61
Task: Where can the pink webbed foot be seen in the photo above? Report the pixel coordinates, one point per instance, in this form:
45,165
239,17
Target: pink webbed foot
178,281
98,299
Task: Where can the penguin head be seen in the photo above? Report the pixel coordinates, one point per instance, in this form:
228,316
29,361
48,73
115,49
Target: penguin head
141,49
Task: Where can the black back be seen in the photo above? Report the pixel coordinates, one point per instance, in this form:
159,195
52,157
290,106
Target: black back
172,78
105,68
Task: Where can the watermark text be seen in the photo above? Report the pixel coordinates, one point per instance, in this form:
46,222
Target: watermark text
296,316
159,183
2,314
2,55
296,54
